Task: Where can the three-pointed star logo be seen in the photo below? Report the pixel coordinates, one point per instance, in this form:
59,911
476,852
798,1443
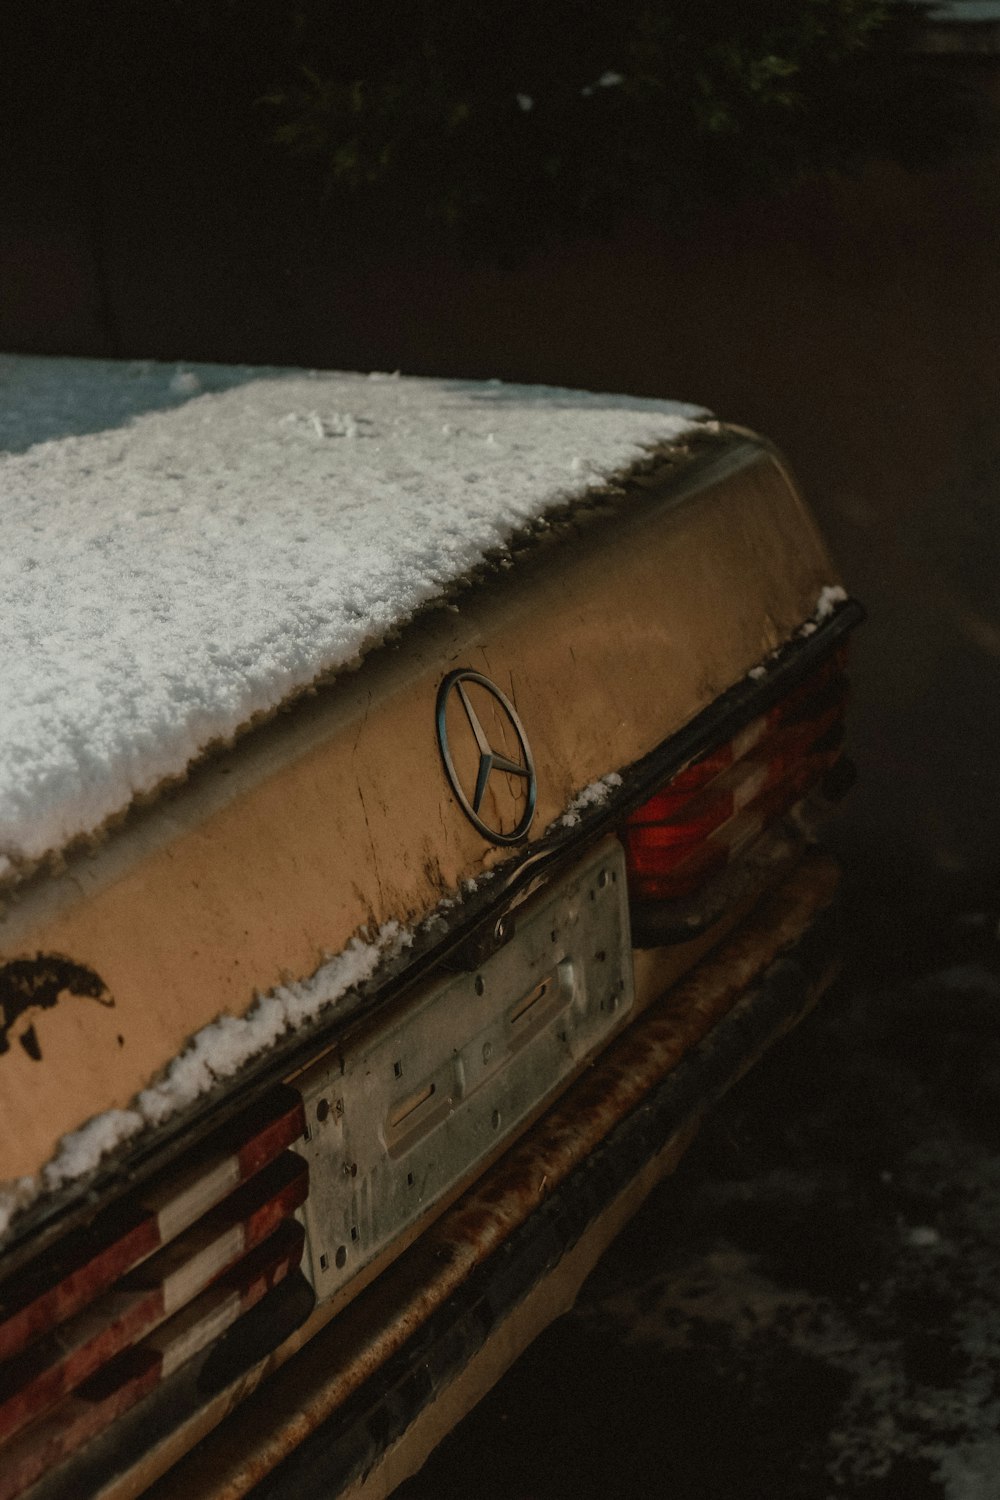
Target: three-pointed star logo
490,760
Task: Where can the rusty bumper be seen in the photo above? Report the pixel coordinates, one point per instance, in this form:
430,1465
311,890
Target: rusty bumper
363,1401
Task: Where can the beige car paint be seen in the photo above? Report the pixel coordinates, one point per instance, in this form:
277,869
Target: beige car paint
336,817
331,1356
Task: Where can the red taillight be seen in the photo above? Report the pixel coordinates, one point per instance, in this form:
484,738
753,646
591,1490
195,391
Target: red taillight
719,804
89,1260
123,1381
148,1284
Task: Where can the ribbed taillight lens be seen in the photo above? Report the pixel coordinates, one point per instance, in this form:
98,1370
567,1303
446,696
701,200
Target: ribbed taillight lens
110,1311
719,804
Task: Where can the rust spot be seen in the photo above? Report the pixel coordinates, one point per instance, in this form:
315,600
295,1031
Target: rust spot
492,1192
28,985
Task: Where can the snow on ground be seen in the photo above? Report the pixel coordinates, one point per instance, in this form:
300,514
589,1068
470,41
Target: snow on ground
810,1308
186,547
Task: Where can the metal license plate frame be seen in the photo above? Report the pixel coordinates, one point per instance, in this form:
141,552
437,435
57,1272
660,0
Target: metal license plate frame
410,1106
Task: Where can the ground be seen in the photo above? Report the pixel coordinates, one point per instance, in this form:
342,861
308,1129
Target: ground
810,1308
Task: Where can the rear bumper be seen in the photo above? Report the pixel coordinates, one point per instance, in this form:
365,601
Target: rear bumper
362,1403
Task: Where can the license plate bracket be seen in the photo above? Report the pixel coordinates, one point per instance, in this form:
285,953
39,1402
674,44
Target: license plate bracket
411,1105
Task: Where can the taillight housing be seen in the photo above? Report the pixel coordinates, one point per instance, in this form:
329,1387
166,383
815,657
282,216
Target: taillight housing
717,807
113,1309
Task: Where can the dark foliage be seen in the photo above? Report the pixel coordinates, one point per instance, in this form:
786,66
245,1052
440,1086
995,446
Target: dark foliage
504,123
509,122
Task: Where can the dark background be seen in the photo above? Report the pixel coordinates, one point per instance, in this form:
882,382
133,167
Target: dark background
849,1192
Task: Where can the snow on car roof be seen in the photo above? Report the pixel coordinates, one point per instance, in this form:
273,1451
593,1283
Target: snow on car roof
184,548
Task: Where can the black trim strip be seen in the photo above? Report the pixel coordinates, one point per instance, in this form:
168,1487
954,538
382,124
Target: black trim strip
431,949
730,712
723,718
351,1442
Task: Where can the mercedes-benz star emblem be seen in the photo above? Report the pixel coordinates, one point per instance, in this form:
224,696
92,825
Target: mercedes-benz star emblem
490,760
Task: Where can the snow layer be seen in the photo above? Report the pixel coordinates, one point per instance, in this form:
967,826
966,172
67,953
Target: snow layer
592,796
829,598
216,1053
185,547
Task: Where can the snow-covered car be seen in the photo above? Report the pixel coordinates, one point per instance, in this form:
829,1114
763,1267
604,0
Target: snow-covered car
406,804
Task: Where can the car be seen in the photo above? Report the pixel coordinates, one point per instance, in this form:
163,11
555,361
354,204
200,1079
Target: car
408,800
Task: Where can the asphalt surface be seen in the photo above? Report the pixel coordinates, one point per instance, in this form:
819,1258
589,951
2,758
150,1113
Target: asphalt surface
810,1308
